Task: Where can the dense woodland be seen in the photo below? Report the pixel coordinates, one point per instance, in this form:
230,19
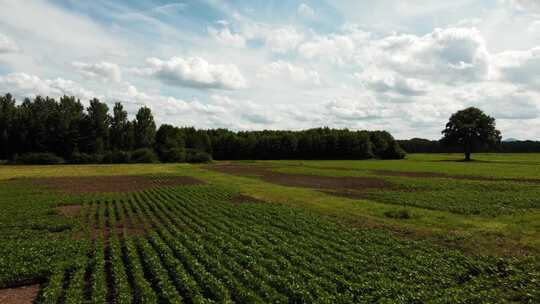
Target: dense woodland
420,145
46,130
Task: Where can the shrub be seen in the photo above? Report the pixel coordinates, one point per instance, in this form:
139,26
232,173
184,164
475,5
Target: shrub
394,151
38,159
83,158
398,214
143,155
117,157
173,155
195,156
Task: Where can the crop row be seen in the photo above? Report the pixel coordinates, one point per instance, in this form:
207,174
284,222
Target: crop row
192,245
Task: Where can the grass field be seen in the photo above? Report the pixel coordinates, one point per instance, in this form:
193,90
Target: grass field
426,229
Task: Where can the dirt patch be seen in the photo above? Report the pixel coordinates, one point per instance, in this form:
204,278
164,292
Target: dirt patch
245,199
69,211
19,295
304,180
99,184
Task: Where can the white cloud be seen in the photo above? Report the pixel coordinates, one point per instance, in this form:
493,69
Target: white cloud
195,72
105,71
7,45
24,85
226,37
361,108
286,71
306,11
523,5
282,40
448,55
534,27
336,48
520,67
388,82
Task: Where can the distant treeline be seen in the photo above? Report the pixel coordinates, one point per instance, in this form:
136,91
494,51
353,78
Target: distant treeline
420,145
45,130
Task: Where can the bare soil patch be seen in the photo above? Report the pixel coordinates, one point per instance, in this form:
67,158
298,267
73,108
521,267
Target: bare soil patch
305,180
98,184
245,199
69,210
19,295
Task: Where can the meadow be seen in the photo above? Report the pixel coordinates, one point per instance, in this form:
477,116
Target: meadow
429,228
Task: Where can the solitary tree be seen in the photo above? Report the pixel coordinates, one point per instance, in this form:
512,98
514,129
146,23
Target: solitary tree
471,129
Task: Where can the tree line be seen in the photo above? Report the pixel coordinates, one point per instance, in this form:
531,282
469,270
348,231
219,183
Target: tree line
46,130
421,145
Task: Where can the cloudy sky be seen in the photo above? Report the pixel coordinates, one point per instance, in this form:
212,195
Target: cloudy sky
401,66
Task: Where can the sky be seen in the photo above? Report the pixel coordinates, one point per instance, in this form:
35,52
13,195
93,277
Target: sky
400,66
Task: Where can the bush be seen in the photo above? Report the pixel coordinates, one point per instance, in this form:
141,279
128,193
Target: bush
117,157
143,155
173,155
38,159
84,158
195,156
398,214
393,151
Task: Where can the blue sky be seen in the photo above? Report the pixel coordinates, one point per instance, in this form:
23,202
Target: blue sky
401,66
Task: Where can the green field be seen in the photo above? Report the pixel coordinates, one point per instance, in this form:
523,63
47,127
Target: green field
426,229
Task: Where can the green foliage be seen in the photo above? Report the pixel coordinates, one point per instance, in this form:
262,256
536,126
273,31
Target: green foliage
38,159
194,156
471,129
143,155
198,247
117,157
84,158
144,128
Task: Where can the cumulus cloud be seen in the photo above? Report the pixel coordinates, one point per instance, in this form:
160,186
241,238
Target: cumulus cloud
25,85
287,71
534,27
449,55
502,100
336,48
363,108
523,5
105,71
520,67
393,83
195,72
306,11
226,37
282,40
7,45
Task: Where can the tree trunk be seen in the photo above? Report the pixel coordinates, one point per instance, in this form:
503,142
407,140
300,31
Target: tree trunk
467,156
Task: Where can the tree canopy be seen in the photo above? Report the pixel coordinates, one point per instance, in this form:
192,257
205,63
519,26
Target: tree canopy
78,135
471,129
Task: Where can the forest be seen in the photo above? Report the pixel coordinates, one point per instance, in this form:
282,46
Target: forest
46,130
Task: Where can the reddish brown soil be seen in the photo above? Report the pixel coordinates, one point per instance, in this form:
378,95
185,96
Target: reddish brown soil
245,199
19,295
69,211
93,184
304,180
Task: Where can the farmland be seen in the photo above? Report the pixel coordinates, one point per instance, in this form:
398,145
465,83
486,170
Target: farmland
424,229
